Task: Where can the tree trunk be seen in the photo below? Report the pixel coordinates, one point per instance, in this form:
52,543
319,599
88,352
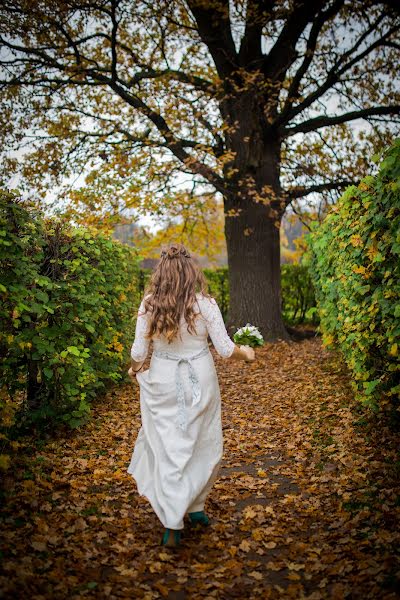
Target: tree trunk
254,273
253,244
33,386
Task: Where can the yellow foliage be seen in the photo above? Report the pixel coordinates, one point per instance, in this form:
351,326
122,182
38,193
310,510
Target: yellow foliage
4,462
200,227
356,240
359,269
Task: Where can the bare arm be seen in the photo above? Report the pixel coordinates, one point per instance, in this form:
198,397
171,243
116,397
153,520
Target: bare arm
140,345
135,365
243,353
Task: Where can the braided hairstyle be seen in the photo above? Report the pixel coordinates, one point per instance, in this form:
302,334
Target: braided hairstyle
172,289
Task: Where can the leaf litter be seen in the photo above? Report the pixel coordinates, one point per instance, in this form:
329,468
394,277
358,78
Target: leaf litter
306,505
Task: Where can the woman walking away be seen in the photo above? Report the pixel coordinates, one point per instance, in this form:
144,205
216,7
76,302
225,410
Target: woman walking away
179,447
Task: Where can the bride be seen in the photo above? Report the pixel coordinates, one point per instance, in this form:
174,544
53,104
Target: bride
179,446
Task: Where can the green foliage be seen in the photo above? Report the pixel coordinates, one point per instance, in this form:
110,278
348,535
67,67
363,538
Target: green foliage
67,314
218,287
354,259
298,295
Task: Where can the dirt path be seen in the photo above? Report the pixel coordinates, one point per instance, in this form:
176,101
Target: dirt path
306,505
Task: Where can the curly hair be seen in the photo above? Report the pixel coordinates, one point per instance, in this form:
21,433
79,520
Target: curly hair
171,292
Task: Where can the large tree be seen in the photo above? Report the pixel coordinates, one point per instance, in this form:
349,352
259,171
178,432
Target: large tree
250,99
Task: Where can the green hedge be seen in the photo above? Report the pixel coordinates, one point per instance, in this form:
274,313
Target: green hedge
218,285
298,298
354,258
68,301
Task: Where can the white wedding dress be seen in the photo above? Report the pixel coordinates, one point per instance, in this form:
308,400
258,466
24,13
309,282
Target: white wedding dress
179,447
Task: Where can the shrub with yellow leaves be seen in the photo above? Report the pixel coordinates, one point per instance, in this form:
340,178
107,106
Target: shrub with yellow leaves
354,260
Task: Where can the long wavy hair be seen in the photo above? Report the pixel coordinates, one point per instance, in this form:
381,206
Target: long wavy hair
171,292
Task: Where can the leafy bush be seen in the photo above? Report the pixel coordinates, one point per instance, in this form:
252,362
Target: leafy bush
354,259
67,314
298,296
218,286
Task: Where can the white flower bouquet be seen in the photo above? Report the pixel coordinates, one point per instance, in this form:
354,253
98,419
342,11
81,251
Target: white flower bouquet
248,335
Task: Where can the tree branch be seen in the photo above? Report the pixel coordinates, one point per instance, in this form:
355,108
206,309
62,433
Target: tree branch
194,80
175,145
283,53
334,75
215,31
250,53
300,192
326,121
318,24
114,30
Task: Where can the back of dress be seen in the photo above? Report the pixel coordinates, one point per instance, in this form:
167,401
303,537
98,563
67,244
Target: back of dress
179,447
208,322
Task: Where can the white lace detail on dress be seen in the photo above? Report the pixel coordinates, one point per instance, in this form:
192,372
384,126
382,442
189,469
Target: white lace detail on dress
214,323
140,346
216,327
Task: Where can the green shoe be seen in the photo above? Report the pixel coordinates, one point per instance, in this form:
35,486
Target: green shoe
199,517
169,540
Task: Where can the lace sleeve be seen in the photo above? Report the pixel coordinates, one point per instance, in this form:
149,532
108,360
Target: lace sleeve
140,346
216,328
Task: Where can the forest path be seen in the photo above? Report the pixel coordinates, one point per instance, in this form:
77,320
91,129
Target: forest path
305,505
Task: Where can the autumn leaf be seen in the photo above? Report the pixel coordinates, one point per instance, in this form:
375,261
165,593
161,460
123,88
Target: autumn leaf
330,496
256,575
245,546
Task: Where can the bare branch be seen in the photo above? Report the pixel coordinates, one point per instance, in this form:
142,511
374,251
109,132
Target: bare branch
326,121
300,192
318,24
215,31
283,53
334,75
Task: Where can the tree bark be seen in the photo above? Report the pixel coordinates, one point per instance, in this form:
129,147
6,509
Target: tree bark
254,273
252,231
